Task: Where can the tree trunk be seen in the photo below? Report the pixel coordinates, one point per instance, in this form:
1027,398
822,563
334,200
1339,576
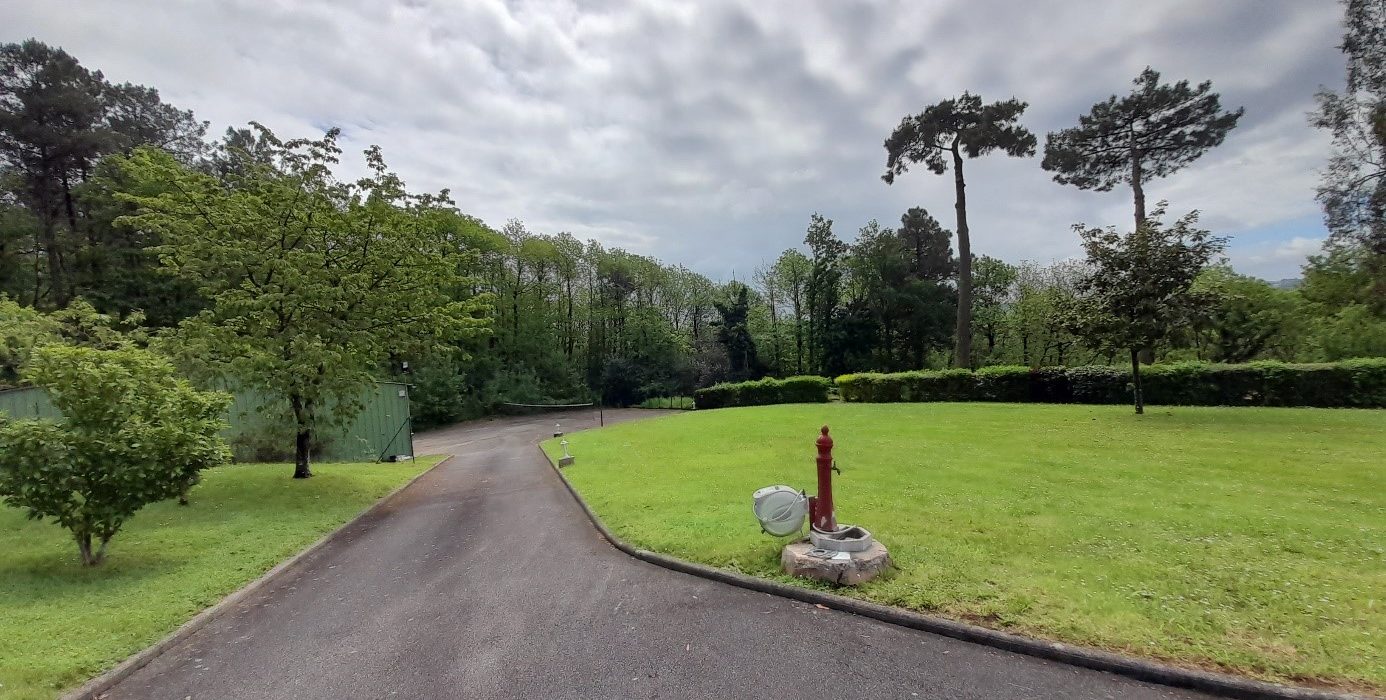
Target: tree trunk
1136,380
302,443
303,439
1137,190
569,341
84,548
798,332
774,329
962,354
90,558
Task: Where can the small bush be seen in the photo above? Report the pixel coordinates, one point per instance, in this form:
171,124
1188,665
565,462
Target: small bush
762,392
1357,383
131,434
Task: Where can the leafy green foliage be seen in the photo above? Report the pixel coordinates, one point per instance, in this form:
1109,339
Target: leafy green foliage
57,120
806,389
131,434
790,275
735,335
1359,383
1353,189
992,282
1140,286
25,329
313,283
823,291
1245,318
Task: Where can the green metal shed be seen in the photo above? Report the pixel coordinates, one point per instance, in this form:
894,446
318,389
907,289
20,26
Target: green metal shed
261,430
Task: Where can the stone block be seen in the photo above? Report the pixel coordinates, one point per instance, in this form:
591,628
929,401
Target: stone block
841,568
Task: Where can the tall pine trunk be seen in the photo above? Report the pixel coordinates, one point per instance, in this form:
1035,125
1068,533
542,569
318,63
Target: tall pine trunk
1147,354
1137,187
962,353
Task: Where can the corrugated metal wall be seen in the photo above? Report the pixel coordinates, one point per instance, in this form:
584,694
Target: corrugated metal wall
261,428
27,403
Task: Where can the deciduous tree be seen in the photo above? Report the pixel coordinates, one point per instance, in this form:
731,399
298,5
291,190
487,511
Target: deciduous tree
1353,188
313,283
1138,287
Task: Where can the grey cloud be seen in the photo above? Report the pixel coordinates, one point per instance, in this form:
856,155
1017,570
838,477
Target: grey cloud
707,132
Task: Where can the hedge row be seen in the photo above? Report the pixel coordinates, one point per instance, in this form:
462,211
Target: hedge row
1351,383
764,391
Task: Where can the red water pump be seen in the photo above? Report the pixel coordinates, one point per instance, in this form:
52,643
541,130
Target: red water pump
822,517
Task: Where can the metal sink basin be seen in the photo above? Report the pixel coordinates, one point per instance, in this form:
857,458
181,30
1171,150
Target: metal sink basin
847,538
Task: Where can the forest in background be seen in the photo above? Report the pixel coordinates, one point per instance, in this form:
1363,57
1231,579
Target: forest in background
552,319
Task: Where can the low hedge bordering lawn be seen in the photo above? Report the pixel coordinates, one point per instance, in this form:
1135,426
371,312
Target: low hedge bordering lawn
1357,383
763,392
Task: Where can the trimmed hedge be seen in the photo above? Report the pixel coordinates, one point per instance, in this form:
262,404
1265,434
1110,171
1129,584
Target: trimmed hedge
763,392
1348,384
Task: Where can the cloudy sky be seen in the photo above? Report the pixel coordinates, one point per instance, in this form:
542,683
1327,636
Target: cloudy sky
706,132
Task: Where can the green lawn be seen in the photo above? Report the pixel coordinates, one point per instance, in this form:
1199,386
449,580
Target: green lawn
61,624
1242,539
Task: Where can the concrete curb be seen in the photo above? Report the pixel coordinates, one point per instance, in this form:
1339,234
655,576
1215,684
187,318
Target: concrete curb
94,688
1223,684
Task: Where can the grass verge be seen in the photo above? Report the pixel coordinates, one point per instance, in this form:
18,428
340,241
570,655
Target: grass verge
1237,539
61,624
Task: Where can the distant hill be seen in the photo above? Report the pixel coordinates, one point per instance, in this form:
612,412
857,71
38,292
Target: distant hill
1288,283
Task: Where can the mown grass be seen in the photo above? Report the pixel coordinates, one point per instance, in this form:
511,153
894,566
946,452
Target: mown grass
61,624
1250,540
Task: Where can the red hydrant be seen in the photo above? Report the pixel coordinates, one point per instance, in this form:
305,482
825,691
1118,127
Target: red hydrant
821,514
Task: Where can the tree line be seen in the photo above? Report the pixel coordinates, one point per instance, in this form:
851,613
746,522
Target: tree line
246,260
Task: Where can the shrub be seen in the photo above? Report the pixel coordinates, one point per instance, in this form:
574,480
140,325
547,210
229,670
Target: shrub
1099,384
1050,385
131,434
1357,383
1003,383
763,392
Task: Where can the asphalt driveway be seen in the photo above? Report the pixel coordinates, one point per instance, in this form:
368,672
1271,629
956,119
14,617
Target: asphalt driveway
485,580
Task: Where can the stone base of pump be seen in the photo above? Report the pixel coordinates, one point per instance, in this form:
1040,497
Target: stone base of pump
804,558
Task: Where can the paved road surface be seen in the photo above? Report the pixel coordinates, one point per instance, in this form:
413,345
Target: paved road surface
485,580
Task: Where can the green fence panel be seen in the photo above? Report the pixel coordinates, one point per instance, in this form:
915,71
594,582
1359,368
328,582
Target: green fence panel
27,402
382,430
261,428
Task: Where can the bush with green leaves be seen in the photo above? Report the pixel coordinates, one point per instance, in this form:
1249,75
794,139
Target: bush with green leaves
132,433
762,392
1359,383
